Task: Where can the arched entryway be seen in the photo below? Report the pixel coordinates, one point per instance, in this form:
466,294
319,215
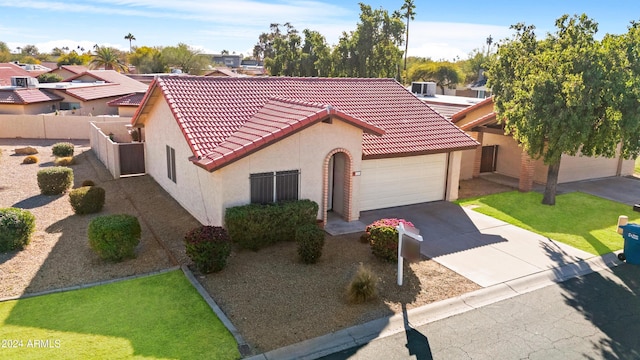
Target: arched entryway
337,184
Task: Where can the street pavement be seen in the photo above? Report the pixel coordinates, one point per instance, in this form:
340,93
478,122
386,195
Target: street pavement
592,317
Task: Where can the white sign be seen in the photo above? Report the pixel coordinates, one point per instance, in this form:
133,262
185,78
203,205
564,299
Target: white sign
409,232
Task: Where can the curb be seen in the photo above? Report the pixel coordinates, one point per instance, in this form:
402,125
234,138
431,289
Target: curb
243,347
89,285
380,328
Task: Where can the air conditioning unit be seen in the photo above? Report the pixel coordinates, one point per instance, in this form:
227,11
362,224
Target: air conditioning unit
424,88
24,82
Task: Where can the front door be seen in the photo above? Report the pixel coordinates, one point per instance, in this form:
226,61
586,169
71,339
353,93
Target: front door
489,157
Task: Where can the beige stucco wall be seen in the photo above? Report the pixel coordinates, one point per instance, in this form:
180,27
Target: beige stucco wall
476,113
31,109
106,150
575,168
49,126
128,111
467,158
453,175
509,152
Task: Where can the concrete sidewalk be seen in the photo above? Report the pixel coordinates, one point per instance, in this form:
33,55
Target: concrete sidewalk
505,260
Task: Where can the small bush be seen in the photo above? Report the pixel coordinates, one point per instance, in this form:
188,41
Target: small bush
64,161
31,159
310,239
88,183
16,227
363,286
55,180
255,226
383,238
365,238
87,199
114,237
208,247
62,149
29,150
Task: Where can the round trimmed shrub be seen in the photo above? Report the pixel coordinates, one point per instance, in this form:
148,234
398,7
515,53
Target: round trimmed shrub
55,180
64,161
310,239
88,183
62,149
16,227
114,237
208,247
383,238
87,199
363,286
31,159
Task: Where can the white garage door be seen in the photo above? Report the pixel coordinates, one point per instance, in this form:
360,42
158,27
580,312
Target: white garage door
402,181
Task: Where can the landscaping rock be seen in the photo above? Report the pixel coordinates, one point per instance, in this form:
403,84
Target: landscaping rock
26,150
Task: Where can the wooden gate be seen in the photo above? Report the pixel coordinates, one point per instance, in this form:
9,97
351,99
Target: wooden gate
131,158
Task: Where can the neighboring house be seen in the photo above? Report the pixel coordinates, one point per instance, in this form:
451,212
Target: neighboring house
89,93
69,71
477,89
501,154
27,101
128,104
222,71
228,60
349,144
10,70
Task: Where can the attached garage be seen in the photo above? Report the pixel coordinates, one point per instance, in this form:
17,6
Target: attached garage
402,181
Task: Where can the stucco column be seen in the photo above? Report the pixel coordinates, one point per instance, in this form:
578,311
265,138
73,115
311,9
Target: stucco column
453,175
527,167
478,155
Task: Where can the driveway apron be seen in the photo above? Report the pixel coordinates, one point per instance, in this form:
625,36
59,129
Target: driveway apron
483,249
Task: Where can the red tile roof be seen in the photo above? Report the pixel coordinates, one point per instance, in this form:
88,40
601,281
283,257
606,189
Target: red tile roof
462,113
210,110
127,100
26,96
115,84
7,70
275,120
483,120
446,110
76,69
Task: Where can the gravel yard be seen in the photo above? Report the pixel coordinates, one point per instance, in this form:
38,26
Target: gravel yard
271,297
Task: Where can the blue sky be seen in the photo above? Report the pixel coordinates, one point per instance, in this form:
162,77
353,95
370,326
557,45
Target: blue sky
441,29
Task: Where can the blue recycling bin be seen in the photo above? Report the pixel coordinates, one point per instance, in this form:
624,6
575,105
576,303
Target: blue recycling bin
631,234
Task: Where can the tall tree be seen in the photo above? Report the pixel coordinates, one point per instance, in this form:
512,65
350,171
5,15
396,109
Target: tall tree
409,14
5,52
129,37
72,58
315,53
107,57
443,73
148,60
286,54
566,93
189,60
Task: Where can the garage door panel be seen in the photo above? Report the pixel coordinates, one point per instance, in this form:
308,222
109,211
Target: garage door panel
402,181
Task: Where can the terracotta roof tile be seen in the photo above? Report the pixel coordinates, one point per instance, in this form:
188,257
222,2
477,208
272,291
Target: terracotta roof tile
483,120
7,70
26,96
210,110
127,100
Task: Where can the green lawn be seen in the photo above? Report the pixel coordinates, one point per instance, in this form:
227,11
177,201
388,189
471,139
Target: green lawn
637,168
156,317
583,221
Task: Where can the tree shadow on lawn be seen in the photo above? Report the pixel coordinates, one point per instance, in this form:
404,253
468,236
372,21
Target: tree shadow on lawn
576,206
609,300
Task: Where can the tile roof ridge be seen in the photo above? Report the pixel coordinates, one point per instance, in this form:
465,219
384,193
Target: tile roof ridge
293,101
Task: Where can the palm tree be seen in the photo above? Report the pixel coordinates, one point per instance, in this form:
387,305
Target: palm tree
130,37
107,57
408,7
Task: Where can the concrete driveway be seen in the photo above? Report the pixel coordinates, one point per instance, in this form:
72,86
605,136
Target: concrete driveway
483,249
621,189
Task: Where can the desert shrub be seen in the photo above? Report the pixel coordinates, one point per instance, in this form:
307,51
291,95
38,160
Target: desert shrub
62,149
64,161
310,239
88,183
87,199
255,226
31,159
363,286
383,238
16,227
208,247
55,180
114,237
29,150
